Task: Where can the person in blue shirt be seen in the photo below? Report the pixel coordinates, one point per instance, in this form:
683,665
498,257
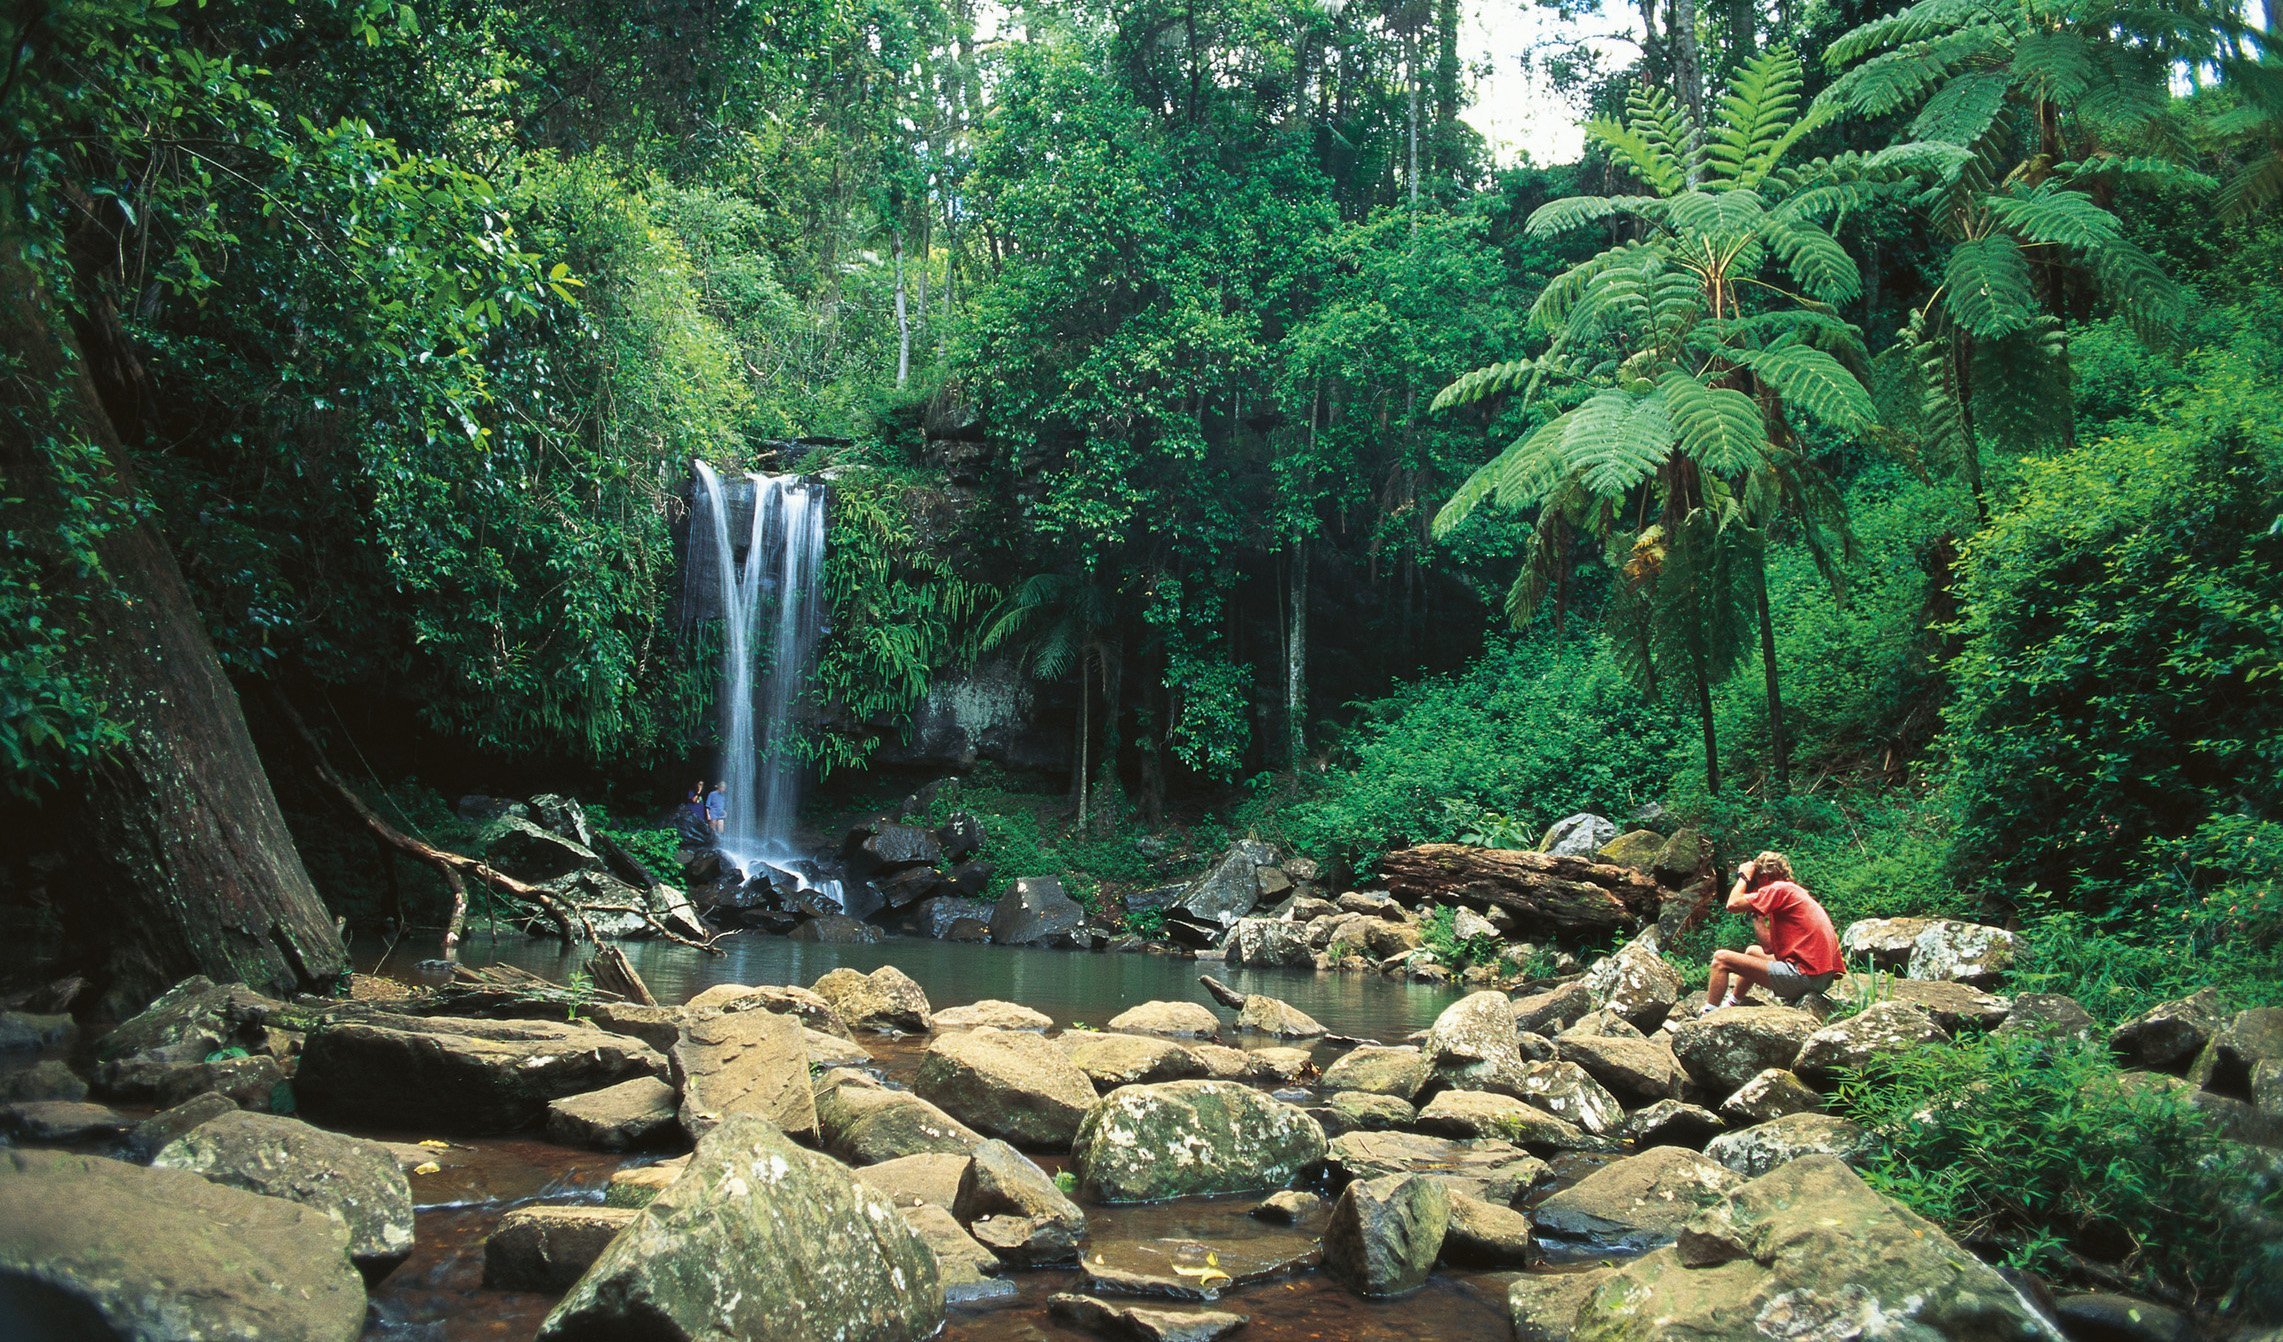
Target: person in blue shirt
717,809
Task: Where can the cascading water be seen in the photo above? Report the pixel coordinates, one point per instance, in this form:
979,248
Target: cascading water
781,569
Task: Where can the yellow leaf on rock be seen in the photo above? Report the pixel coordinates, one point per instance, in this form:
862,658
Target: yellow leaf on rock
429,1167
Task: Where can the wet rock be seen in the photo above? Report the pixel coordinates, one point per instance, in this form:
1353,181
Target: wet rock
1279,1066
1564,1090
1954,1006
1481,1113
966,1267
759,1238
1808,1251
1636,983
1232,888
1267,941
49,1079
1631,1206
1385,1234
836,929
1173,1020
28,1032
1113,1060
1033,911
636,1185
1224,1063
2052,1015
1361,1111
548,1248
1729,1047
445,1074
1954,952
1880,1030
1267,1015
61,1121
830,1051
2104,1316
1012,1085
1580,835
1551,1011
1756,1150
623,1117
1495,1171
1674,1123
885,999
1001,1181
147,1138
994,1013
1770,1095
1474,1045
1546,1307
747,1062
931,1178
1191,1139
187,1024
936,917
1377,1070
159,1255
1487,1236
866,1123
1882,943
1637,1071
1142,1323
1290,1207
251,1082
2169,1036
889,847
355,1183
1027,1241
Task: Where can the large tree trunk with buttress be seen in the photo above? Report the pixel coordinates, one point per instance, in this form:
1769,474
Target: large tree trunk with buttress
181,862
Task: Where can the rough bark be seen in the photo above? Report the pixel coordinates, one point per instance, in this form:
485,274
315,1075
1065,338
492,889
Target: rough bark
1551,894
182,863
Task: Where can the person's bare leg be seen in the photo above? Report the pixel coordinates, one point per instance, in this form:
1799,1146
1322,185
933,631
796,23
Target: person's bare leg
1751,966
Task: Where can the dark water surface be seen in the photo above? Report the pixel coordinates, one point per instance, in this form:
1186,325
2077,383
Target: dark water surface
1071,986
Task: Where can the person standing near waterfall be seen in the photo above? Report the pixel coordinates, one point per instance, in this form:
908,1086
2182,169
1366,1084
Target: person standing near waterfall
717,809
1795,950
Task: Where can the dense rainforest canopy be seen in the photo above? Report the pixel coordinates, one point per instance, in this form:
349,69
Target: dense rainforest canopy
1873,440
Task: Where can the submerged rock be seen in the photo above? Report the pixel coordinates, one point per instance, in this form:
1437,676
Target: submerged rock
1191,1139
1633,1205
548,1248
1141,1322
160,1255
355,1183
1386,1233
759,1238
1012,1085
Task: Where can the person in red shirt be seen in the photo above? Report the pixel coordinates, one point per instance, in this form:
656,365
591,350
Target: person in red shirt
1796,950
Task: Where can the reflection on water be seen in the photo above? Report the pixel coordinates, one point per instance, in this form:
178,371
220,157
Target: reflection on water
1071,986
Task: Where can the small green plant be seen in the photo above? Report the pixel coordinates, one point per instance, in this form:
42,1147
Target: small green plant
1149,923
1438,933
580,985
1485,828
1066,1181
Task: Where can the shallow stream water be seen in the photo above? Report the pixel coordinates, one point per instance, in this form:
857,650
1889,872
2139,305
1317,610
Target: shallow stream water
439,1296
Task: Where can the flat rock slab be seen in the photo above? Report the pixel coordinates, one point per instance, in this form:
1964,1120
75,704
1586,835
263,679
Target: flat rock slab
160,1255
1182,1269
1489,1169
1147,1325
548,1248
746,1062
355,1182
61,1121
909,1181
617,1118
464,1076
1009,1084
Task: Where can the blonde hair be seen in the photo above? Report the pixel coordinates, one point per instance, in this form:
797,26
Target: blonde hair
1771,866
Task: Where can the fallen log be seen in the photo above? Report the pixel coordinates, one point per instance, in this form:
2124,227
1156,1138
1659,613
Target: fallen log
1546,894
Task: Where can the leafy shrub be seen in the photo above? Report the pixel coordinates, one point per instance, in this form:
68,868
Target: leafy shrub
652,846
1438,934
2042,1152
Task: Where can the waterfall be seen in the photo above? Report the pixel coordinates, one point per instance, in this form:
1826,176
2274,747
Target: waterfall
776,584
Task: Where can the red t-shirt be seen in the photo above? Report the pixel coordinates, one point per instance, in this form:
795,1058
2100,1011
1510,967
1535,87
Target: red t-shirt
1799,931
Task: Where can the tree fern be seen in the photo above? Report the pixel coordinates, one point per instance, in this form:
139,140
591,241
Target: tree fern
1814,381
1987,286
1719,427
1759,119
1960,113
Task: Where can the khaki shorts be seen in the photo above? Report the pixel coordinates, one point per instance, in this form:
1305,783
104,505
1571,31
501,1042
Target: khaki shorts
1785,981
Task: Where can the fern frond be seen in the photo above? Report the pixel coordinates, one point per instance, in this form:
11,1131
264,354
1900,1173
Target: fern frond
2021,391
1817,263
1720,428
1758,119
2143,171
1924,20
1560,216
1552,308
2053,66
1813,381
1934,160
1987,287
2150,300
2258,185
2051,214
1961,111
1615,441
1527,465
1483,383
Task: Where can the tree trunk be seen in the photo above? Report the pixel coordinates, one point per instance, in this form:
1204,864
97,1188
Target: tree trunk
1704,715
1296,662
1779,748
1568,895
182,863
903,317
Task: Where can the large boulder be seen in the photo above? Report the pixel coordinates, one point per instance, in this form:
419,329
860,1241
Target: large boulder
966,1268
745,1062
355,1183
1809,1251
187,1024
1954,1006
1494,1171
1635,848
153,1255
1637,983
1637,1071
1482,1113
1631,1206
444,1074
994,1013
1473,1045
1232,888
866,1123
1947,951
1566,1091
938,916
1685,859
535,854
759,1238
1009,1084
1035,910
1771,1095
1191,1139
1882,943
2168,1036
1268,941
1553,1010
930,1177
1674,1123
1756,1150
1016,1209
2050,1015
2244,1061
549,1248
885,999
1263,1014
1878,1030
623,1117
1386,1233
1174,1020
1378,1070
1113,1060
1580,835
1726,1048
1486,1235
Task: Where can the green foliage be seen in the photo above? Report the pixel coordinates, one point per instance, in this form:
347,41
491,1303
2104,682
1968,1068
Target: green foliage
2041,1151
1485,828
2120,621
653,846
1437,934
